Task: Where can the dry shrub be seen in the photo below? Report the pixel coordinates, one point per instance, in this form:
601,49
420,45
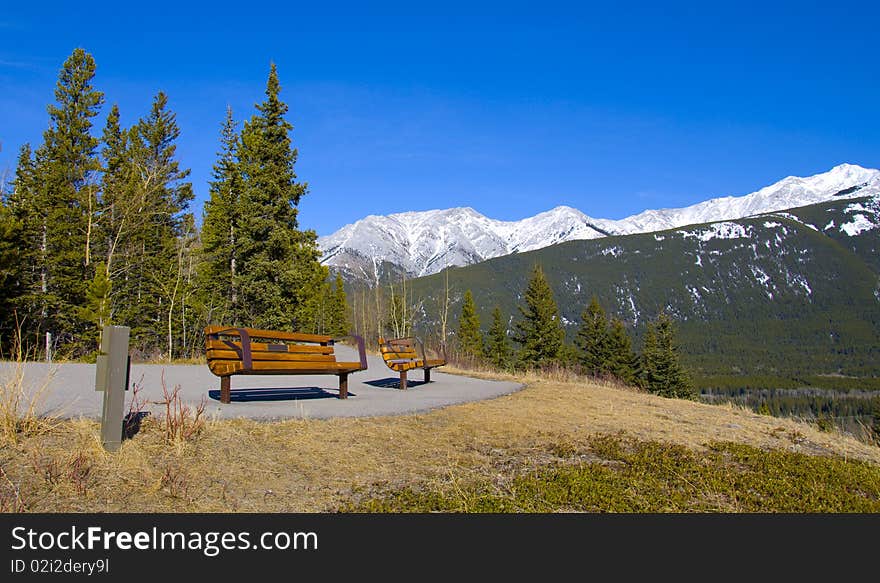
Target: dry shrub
181,422
20,402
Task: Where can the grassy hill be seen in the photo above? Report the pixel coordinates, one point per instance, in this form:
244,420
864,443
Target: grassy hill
560,444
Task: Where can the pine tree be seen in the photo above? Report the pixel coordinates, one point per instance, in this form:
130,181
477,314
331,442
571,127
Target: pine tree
119,209
25,230
540,332
338,323
593,340
661,370
470,338
97,308
218,274
11,268
497,349
155,250
66,173
279,269
621,358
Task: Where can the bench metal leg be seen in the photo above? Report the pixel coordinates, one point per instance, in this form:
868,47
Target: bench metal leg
225,395
427,375
343,386
403,380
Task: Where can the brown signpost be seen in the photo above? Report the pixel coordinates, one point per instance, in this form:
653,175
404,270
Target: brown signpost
111,376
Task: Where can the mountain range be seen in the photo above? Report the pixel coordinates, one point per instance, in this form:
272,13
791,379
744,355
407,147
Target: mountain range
422,243
783,293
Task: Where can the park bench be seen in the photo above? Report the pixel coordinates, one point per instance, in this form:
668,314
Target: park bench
249,351
400,356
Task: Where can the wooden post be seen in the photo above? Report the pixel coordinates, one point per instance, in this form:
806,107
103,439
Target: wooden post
343,385
111,377
225,393
403,380
427,375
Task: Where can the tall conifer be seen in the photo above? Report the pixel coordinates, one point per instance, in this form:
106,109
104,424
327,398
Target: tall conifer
661,370
592,339
540,332
219,267
155,247
280,273
470,338
67,173
622,361
497,348
338,322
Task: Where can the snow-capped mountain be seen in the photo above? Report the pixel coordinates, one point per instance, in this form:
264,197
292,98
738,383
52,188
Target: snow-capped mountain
421,243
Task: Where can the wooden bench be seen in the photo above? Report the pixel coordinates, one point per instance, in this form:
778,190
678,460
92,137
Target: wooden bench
249,351
400,356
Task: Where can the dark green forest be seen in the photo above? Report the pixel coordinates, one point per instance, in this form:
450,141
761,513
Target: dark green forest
97,228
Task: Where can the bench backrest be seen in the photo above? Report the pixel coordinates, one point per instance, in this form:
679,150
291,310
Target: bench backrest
229,346
398,349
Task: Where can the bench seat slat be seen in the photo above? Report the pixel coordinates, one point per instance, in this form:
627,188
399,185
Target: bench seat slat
230,367
215,354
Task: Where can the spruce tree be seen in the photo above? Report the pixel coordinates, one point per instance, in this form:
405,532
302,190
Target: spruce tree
593,340
337,321
11,268
120,211
622,361
155,249
279,270
218,275
540,333
661,370
66,173
25,231
97,308
470,338
497,349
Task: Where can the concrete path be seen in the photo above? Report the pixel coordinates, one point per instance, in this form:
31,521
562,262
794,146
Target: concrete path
70,390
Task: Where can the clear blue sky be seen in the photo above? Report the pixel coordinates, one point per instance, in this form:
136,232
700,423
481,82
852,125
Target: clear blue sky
511,108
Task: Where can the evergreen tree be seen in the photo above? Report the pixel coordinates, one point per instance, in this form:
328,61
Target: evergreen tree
470,338
66,174
622,361
119,209
155,249
218,269
338,323
593,340
497,349
24,232
97,308
540,332
279,271
661,370
10,275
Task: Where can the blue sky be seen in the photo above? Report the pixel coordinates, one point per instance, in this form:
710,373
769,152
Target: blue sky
511,108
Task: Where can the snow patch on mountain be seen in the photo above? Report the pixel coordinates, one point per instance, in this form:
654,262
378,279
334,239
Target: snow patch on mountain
723,230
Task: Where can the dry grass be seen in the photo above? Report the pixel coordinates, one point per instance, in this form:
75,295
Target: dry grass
20,402
317,465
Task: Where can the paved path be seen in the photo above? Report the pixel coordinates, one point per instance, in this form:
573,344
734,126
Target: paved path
71,390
